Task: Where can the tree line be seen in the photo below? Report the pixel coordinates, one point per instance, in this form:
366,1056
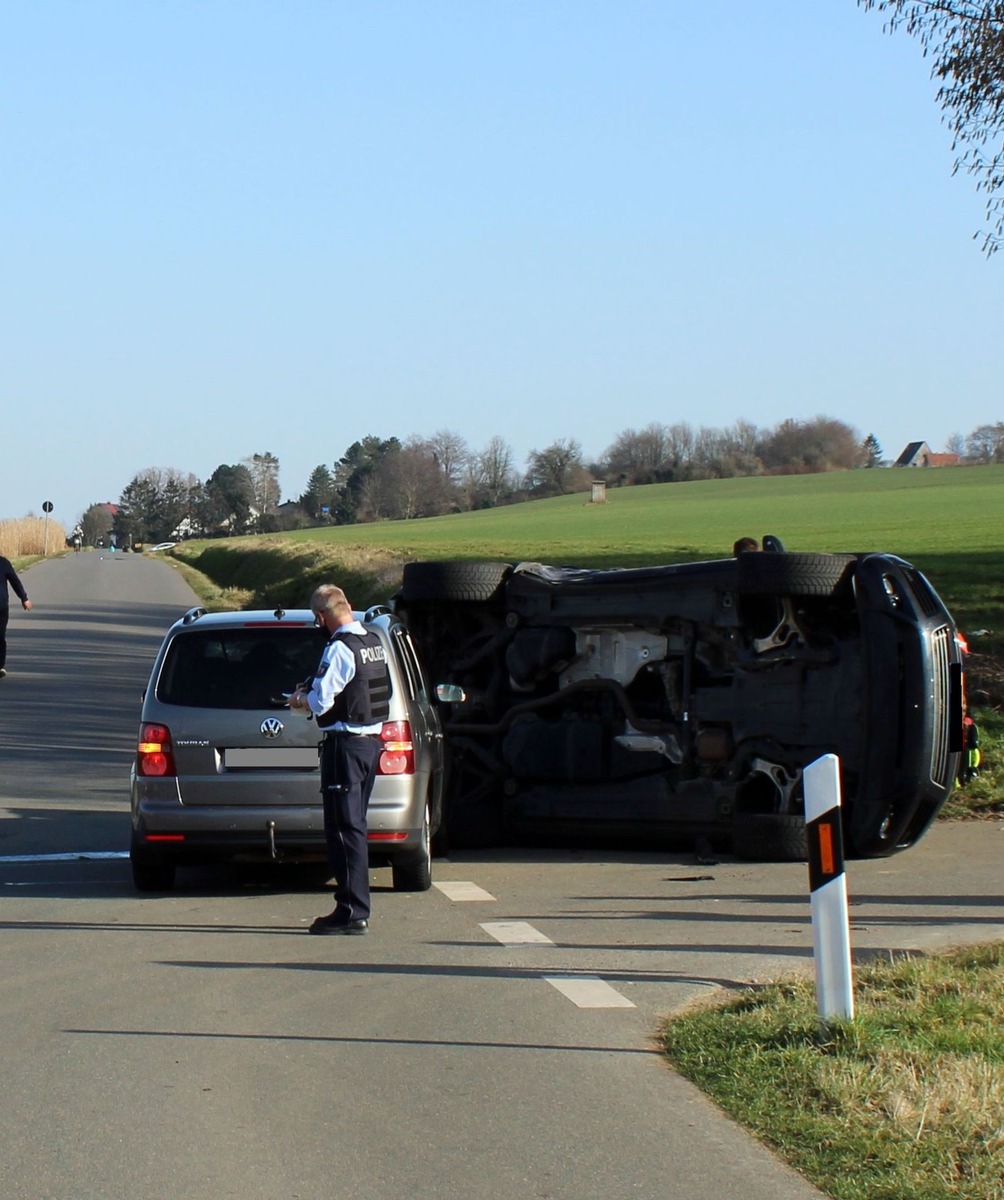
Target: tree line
379,479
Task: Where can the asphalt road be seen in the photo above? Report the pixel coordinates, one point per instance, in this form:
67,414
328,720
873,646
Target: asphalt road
493,1038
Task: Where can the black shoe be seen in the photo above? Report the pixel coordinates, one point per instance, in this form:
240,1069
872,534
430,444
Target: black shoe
326,925
3,672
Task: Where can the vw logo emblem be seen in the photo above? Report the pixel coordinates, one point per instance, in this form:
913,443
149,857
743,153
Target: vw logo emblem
271,727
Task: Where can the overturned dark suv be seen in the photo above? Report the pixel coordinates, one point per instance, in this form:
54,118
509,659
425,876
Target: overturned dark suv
687,699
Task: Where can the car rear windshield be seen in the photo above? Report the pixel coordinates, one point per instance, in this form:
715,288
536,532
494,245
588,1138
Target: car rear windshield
238,668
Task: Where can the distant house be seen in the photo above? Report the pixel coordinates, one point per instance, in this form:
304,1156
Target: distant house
919,454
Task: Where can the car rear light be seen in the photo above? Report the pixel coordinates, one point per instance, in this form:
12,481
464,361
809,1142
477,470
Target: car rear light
154,756
397,835
397,756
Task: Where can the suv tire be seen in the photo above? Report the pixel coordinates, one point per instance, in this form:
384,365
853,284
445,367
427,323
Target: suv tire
152,876
772,574
412,871
770,837
464,581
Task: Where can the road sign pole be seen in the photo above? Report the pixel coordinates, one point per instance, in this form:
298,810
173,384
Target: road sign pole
46,508
831,934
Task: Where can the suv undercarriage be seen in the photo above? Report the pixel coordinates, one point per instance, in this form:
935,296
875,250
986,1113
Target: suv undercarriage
687,699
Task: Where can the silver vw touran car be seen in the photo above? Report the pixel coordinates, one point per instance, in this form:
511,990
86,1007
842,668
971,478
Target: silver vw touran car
225,771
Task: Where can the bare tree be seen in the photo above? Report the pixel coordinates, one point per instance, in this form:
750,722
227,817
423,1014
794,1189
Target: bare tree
679,449
637,455
986,444
739,450
491,474
556,469
264,472
446,455
709,450
450,453
416,481
956,444
965,41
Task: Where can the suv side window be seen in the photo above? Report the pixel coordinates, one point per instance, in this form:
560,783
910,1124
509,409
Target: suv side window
237,668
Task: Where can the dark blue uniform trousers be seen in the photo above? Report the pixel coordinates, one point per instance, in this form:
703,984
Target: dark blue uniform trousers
348,768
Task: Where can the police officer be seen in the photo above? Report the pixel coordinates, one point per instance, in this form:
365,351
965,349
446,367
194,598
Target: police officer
350,697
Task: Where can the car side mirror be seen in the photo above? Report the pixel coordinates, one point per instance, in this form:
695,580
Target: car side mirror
450,693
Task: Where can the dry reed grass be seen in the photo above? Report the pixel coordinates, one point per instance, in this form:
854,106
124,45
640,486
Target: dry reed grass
29,536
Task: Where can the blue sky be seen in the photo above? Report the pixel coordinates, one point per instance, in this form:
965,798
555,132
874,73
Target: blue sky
238,226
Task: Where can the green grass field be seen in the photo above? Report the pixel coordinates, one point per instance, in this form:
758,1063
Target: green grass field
949,522
918,514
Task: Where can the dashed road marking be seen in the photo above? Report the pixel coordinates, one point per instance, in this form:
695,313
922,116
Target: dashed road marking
588,991
515,933
460,889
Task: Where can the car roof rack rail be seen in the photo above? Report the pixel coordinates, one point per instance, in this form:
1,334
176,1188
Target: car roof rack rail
376,610
193,614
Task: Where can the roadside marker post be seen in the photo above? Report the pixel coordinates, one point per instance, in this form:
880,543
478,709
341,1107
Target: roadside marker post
831,934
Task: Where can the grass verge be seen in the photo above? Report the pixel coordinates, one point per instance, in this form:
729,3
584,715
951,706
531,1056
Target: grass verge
270,572
215,597
905,1102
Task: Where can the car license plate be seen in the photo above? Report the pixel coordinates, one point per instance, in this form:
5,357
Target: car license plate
281,758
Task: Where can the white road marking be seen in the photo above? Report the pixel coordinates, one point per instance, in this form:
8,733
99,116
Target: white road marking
515,933
588,991
82,855
462,889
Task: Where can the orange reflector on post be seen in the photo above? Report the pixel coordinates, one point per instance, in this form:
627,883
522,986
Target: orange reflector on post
826,858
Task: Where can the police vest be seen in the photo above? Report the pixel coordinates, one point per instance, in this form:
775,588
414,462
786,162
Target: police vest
365,699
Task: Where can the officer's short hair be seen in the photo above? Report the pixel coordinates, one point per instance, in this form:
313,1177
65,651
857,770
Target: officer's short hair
329,598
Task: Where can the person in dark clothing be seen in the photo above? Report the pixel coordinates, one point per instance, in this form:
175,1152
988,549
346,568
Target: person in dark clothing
350,697
8,578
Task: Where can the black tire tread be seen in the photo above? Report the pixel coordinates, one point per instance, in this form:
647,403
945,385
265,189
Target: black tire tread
453,580
411,874
771,574
152,876
770,837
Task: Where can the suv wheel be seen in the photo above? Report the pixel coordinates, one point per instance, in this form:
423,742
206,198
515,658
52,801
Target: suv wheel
412,871
152,876
770,837
430,581
773,574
